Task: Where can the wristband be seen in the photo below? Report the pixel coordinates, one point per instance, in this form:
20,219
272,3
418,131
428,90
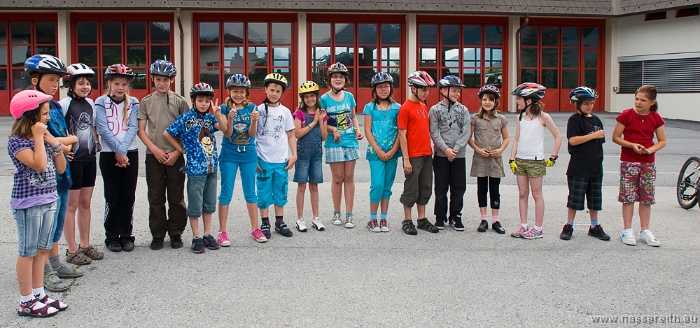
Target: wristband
57,153
57,147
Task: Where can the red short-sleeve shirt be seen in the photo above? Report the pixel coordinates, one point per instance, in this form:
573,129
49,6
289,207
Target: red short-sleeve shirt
639,129
413,117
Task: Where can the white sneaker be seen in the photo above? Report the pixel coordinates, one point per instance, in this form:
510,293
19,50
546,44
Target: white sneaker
316,223
349,221
628,238
336,219
301,225
648,237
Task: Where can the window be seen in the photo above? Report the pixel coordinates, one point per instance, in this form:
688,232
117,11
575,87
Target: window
687,12
136,43
20,40
669,75
655,16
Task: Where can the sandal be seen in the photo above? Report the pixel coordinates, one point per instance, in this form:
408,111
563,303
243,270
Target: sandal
56,304
68,272
54,284
77,258
91,252
36,310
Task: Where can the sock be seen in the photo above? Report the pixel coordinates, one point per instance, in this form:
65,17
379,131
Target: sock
538,228
334,213
384,215
524,225
494,218
572,224
484,217
373,216
594,223
25,299
629,232
349,214
266,221
279,219
47,268
38,292
55,262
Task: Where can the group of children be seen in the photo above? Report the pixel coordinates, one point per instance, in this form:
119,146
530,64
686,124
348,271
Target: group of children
262,143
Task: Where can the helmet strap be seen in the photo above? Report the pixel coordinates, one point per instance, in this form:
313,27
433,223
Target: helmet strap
447,97
337,91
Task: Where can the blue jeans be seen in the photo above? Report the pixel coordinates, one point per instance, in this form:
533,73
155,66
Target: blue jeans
201,194
382,175
309,165
60,215
34,227
228,181
273,182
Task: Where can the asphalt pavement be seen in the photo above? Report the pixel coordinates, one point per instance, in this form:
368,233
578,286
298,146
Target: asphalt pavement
353,277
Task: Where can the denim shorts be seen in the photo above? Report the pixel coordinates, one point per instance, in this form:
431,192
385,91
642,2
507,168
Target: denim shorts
201,194
60,215
34,227
309,165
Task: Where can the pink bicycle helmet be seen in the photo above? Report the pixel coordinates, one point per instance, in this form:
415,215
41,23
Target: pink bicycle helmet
25,101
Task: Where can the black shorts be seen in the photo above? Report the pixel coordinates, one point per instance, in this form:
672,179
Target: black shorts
83,174
590,189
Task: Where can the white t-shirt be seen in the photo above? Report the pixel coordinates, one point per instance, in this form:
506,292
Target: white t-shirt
271,140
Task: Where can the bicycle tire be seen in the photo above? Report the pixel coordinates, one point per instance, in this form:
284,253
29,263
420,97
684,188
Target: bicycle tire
688,180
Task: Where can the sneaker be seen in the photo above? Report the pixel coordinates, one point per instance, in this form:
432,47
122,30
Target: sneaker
35,308
483,226
265,229
258,236
56,304
349,221
440,223
114,246
336,219
408,227
157,243
628,239
282,228
373,226
197,246
210,242
598,232
316,223
301,225
498,228
518,233
427,226
127,245
567,231
176,242
223,240
532,234
53,283
384,225
648,237
456,223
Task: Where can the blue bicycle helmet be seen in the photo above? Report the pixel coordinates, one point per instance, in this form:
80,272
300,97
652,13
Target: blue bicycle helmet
582,93
238,80
163,68
381,77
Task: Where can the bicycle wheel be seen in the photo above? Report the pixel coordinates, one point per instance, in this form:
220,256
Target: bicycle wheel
688,183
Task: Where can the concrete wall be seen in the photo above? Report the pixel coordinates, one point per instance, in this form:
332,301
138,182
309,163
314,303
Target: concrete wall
634,37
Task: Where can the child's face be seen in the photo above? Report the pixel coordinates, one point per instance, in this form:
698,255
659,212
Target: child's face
237,94
202,103
587,106
337,80
487,102
383,90
273,92
310,100
521,102
82,87
119,86
642,102
452,94
421,92
44,110
162,83
48,83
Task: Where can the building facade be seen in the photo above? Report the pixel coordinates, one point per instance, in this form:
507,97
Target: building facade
611,46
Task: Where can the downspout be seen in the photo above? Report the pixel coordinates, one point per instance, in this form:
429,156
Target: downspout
517,48
182,48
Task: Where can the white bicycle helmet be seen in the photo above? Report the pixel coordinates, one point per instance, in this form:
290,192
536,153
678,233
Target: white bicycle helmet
44,64
76,70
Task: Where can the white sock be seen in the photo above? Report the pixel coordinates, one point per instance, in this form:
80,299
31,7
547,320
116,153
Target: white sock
524,225
26,298
629,232
39,292
538,228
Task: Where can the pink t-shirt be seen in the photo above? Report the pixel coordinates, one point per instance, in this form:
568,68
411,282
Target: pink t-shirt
299,114
639,129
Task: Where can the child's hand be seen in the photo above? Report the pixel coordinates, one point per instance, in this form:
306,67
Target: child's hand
638,149
358,135
231,114
290,162
494,153
382,155
215,105
600,134
407,168
39,129
450,153
336,135
254,116
321,115
513,166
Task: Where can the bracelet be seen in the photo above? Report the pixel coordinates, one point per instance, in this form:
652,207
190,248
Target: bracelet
57,147
57,153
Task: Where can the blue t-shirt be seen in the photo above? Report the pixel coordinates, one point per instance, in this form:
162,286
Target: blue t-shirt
57,127
340,116
240,148
197,134
384,128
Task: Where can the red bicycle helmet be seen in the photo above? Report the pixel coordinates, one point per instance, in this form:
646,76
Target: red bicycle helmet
117,70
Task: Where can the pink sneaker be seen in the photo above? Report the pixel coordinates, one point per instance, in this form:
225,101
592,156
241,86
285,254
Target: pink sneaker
532,234
258,236
223,239
517,233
